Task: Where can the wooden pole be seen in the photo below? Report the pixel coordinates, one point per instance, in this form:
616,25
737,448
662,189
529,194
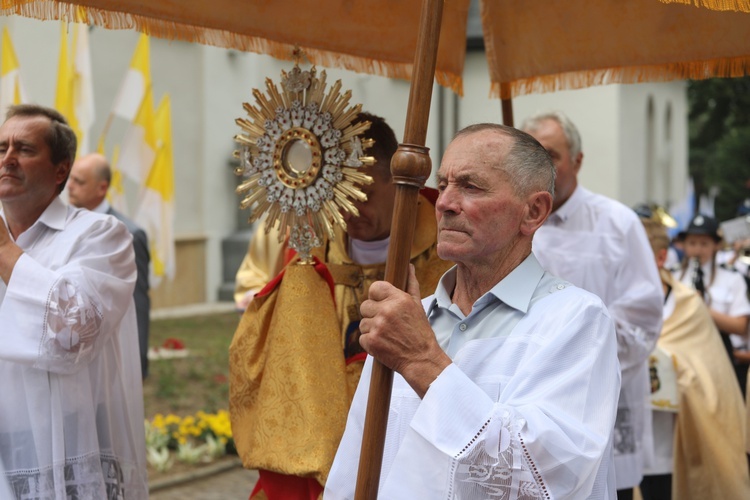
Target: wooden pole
410,167
507,105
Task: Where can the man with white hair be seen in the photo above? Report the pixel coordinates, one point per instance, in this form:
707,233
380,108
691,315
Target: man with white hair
600,245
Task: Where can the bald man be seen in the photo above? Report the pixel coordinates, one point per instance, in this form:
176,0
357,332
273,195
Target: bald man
87,188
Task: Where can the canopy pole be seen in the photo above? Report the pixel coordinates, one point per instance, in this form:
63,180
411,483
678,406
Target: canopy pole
410,167
507,105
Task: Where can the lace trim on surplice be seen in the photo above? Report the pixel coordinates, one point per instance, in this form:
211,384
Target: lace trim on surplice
71,327
496,464
84,478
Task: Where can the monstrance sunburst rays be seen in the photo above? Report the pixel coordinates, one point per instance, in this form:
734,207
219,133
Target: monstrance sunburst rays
301,157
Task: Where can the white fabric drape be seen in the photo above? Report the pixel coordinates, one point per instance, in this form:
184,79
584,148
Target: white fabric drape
599,244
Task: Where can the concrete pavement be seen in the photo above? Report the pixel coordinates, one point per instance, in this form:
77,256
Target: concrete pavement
234,483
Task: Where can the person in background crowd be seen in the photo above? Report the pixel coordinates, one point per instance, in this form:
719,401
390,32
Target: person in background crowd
698,412
88,186
724,291
599,244
71,411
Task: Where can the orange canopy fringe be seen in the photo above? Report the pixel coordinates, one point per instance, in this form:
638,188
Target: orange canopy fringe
734,5
701,70
172,30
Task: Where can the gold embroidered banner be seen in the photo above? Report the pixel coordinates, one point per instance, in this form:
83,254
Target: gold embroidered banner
544,46
376,37
531,46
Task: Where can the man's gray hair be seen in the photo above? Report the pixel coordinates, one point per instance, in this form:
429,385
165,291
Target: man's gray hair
570,131
527,164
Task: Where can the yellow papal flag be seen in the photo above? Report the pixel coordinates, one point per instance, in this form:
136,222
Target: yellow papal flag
65,91
137,80
116,191
11,89
156,211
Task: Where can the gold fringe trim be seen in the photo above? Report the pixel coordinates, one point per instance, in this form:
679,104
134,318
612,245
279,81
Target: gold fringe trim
734,5
698,70
51,9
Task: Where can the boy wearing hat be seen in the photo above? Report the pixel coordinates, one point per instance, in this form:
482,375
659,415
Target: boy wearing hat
724,291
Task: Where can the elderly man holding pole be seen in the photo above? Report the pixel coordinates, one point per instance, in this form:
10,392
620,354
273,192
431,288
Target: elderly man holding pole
506,379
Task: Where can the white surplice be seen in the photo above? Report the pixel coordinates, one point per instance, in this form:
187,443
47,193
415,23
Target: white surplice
600,245
71,411
525,411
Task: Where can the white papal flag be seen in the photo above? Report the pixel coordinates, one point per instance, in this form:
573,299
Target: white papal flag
83,90
135,103
156,211
137,80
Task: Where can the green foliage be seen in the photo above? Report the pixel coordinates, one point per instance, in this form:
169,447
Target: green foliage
719,125
195,383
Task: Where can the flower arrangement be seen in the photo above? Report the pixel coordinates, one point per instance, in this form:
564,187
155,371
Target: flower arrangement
197,438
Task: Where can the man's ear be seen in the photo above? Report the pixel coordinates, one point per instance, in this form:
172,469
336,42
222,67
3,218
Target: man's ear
102,188
538,208
62,171
577,162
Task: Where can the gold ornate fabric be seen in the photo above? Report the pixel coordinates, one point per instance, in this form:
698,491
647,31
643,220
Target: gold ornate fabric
290,382
287,390
262,262
709,454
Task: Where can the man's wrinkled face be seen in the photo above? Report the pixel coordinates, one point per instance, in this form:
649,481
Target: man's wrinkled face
27,173
375,214
478,211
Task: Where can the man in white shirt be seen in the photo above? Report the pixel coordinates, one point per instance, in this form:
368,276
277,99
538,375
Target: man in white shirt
89,182
71,414
599,244
507,377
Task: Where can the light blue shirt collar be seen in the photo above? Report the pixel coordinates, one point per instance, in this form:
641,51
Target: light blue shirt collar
516,289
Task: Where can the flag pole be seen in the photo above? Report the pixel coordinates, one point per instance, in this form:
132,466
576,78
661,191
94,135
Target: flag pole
105,130
410,168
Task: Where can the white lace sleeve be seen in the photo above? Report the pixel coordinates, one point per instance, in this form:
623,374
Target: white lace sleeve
65,299
499,467
72,326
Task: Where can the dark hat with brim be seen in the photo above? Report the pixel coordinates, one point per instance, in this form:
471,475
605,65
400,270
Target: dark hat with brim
702,224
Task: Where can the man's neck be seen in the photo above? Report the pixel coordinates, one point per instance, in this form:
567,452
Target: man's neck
556,205
102,207
19,216
473,281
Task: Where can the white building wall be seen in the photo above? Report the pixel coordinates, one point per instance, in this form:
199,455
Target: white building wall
208,85
653,168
